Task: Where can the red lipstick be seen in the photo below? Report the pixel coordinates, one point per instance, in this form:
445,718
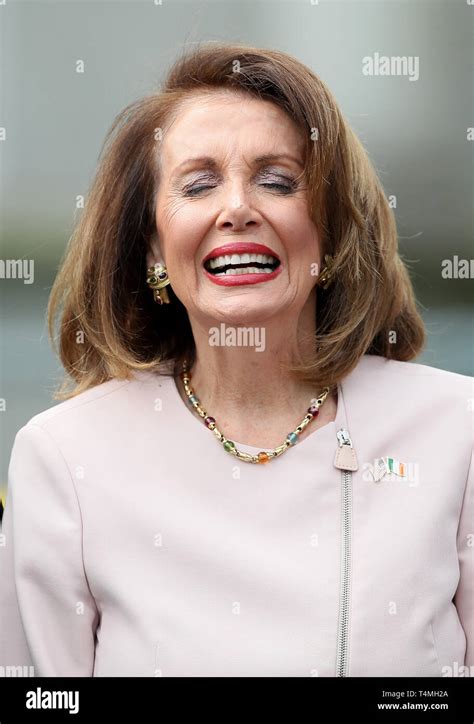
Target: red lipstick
240,247
232,280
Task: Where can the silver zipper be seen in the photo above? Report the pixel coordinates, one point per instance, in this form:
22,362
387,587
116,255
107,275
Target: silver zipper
342,660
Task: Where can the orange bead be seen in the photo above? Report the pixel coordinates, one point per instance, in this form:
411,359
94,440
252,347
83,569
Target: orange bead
263,457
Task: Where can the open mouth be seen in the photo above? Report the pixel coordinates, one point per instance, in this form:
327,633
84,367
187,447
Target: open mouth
242,264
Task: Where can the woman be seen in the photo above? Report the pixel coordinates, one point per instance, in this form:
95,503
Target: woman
248,476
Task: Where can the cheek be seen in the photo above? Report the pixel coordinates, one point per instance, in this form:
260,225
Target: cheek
180,229
299,235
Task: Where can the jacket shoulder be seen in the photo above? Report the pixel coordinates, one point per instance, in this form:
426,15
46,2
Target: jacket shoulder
379,368
406,393
103,400
391,399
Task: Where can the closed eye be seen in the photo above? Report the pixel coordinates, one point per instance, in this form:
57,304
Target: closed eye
195,190
283,187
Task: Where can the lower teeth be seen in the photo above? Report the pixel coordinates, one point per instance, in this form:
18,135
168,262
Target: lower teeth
246,270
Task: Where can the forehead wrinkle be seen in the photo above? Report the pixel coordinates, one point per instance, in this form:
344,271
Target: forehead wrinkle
212,163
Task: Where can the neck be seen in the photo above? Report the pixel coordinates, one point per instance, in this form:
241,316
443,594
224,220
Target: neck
251,393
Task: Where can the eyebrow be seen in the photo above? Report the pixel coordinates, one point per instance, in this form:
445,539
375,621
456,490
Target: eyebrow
210,162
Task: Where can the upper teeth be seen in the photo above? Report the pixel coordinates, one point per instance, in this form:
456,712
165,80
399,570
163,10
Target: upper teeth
241,259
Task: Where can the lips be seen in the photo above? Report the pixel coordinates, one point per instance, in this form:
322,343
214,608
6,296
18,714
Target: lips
233,280
240,247
241,263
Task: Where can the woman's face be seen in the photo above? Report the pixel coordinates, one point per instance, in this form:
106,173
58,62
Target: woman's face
233,194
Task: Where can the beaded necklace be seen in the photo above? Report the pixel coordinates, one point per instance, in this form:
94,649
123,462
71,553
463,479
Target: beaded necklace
229,446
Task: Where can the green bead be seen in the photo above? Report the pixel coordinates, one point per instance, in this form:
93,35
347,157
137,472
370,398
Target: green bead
229,445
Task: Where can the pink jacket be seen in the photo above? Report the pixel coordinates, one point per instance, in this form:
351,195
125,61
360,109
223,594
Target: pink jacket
135,545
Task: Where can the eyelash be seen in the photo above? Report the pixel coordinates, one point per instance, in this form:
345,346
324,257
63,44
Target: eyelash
287,189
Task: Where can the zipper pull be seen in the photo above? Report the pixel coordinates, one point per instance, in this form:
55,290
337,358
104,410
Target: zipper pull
345,458
343,437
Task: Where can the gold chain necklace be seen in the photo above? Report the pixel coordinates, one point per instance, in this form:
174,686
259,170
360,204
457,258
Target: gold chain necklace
229,446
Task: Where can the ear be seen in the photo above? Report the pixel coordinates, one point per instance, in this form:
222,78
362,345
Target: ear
154,254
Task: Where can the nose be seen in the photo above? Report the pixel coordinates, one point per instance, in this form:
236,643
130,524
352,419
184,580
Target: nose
236,212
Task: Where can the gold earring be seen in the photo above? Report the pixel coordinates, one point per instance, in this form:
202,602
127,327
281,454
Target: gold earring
157,279
324,278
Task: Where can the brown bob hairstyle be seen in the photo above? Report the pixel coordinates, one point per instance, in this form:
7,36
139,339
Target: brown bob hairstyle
109,324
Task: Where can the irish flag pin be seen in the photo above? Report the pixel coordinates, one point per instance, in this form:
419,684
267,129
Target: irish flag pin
396,467
388,465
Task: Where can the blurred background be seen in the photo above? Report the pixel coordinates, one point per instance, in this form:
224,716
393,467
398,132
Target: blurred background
55,119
